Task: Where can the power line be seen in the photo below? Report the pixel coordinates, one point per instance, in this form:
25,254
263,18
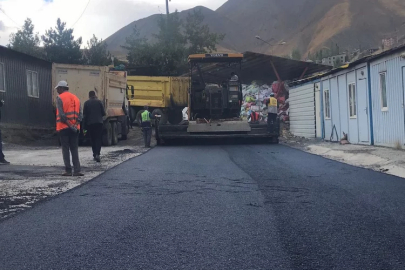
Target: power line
81,14
19,26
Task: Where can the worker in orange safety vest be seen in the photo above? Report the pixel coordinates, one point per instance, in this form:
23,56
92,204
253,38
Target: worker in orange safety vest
68,117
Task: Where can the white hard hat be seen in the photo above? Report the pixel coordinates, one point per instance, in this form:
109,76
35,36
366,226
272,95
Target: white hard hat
62,84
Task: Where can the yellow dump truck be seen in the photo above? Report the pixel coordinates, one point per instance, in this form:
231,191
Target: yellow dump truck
110,87
166,96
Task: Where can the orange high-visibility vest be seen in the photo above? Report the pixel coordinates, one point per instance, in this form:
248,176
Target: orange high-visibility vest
71,108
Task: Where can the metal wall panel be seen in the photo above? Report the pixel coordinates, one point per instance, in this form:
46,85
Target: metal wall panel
302,111
353,124
327,121
19,108
389,127
343,102
318,110
334,102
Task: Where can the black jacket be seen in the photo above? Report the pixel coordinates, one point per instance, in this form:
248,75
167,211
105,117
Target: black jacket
93,112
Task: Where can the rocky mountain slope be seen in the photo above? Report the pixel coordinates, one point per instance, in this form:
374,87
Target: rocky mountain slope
308,25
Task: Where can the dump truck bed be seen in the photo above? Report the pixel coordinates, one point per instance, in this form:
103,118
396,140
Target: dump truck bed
159,92
109,86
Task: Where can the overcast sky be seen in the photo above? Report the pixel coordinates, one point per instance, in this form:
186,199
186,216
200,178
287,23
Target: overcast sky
102,17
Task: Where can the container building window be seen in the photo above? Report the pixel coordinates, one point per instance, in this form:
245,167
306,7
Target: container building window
383,90
352,100
2,78
32,84
327,103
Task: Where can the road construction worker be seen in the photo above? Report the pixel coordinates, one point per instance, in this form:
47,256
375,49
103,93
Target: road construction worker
2,157
93,113
68,117
146,124
272,110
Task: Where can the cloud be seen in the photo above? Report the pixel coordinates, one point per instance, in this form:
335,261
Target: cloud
102,17
2,26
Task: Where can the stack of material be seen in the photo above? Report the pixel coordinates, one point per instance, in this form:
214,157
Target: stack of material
281,93
254,100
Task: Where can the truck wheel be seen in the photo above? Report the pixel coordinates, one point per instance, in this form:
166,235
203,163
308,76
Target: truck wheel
163,118
132,114
107,134
124,129
114,135
139,117
175,116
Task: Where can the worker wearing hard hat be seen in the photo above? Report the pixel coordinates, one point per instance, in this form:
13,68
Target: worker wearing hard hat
68,117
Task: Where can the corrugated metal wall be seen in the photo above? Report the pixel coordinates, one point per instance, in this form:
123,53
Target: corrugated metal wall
340,119
302,111
19,108
389,125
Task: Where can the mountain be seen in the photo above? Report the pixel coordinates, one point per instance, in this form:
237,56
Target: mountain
148,26
307,25
312,24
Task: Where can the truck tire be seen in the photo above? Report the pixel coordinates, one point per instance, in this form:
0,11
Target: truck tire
114,135
124,129
175,116
107,134
132,114
163,118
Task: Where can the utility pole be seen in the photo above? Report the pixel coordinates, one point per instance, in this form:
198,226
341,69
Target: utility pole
167,7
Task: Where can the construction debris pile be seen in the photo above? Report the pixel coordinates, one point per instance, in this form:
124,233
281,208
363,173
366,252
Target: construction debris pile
256,95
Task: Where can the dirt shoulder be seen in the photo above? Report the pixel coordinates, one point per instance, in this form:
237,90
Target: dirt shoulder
35,170
382,159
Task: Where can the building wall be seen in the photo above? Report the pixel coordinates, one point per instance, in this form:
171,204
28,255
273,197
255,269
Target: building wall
389,125
340,120
19,108
302,111
318,110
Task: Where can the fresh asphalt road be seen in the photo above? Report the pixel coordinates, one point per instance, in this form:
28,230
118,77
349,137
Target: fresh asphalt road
216,207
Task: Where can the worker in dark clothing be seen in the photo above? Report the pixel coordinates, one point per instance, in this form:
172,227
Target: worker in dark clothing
2,158
146,124
93,113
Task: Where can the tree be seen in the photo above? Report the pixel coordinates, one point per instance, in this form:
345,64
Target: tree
171,45
337,63
175,40
198,36
140,52
296,54
60,45
26,41
96,53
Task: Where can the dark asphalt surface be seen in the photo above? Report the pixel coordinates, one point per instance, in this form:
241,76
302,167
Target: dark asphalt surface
216,207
